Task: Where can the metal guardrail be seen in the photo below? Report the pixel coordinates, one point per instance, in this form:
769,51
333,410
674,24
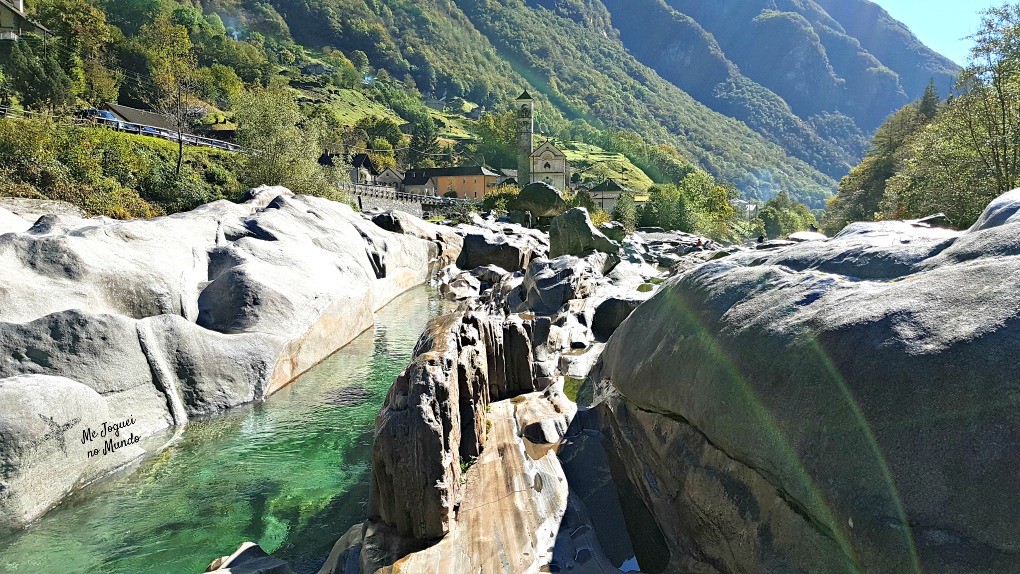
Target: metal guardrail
132,128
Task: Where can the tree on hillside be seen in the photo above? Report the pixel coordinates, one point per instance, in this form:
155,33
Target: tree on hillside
39,79
929,104
861,192
424,143
84,38
281,148
962,158
172,68
990,99
497,139
782,216
668,207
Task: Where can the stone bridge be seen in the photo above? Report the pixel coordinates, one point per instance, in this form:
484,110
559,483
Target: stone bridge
368,197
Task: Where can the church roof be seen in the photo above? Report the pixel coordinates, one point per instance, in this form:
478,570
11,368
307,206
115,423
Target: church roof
525,96
548,146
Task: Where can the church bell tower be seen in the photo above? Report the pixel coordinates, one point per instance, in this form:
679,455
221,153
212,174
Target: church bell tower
525,109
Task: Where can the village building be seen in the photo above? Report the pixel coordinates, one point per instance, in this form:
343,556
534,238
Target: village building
14,22
138,117
464,182
507,177
607,193
418,184
362,171
390,177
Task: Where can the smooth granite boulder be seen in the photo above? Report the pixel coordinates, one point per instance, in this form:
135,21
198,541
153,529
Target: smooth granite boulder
574,234
446,239
541,200
504,245
12,223
549,284
847,405
179,316
614,230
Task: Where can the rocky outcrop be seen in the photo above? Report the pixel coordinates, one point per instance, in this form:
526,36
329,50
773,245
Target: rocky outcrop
12,223
505,245
448,243
540,200
614,230
834,406
462,364
250,558
464,471
466,475
158,321
574,234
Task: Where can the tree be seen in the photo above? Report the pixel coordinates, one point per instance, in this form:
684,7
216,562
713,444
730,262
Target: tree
172,66
83,37
990,98
625,211
497,139
424,143
668,207
39,80
862,191
782,216
929,104
279,149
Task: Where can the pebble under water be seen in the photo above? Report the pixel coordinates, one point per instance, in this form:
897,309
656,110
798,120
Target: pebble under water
291,474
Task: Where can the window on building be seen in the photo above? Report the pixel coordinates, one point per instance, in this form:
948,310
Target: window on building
548,165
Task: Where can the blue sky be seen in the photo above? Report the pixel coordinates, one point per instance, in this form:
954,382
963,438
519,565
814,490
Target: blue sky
941,24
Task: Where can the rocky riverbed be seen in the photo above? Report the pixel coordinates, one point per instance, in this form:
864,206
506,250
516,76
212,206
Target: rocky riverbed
824,405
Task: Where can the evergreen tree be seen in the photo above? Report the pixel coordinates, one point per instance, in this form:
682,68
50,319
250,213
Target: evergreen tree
39,80
424,142
929,104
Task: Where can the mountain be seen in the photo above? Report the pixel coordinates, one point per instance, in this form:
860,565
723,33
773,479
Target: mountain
807,81
766,95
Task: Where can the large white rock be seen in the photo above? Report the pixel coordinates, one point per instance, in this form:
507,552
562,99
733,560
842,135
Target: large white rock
161,320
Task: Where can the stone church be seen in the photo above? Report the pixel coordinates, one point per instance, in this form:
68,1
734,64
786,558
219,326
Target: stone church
547,163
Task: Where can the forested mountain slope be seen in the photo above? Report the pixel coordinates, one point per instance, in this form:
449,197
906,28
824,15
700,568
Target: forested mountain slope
764,94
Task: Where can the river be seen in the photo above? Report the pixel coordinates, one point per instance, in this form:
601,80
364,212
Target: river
291,474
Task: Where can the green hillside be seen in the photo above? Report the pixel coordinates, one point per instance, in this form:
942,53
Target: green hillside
709,82
593,164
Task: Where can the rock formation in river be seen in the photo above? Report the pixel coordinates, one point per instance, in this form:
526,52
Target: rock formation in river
848,405
141,325
465,469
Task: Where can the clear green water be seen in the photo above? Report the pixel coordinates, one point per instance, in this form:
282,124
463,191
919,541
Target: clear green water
291,474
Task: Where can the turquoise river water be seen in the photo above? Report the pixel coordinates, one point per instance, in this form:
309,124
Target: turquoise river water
291,474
